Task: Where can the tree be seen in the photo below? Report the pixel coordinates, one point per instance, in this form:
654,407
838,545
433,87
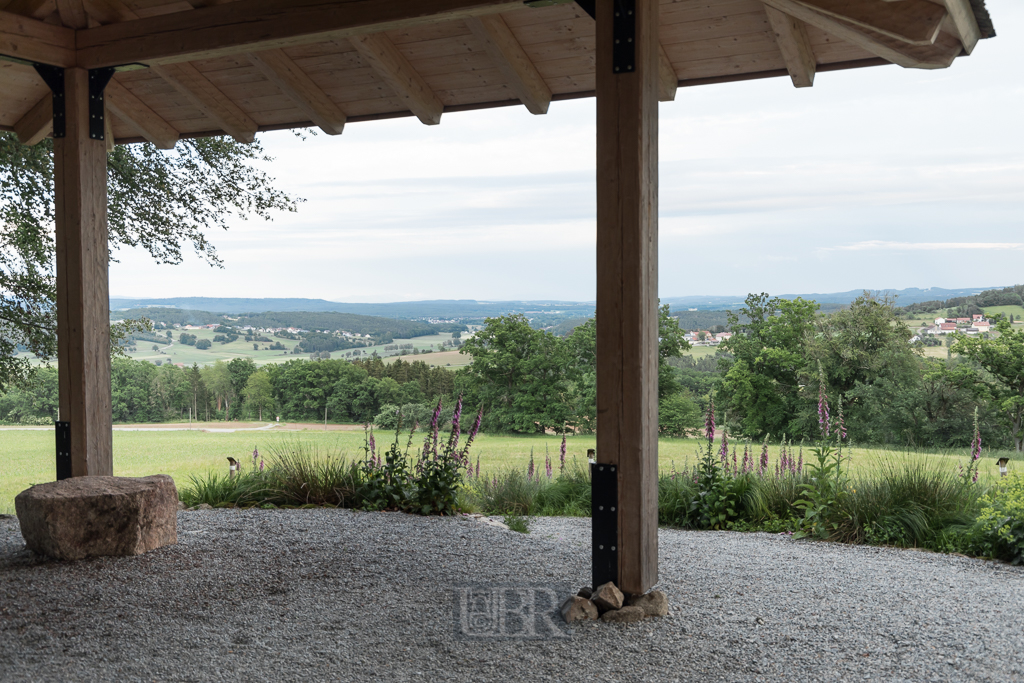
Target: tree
158,200
203,344
519,374
1003,358
259,393
761,382
217,378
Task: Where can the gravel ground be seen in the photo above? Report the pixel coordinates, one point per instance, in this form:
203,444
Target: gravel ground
341,595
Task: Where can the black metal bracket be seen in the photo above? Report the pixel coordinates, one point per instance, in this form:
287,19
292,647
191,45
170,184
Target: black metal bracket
604,528
53,76
98,79
624,37
63,430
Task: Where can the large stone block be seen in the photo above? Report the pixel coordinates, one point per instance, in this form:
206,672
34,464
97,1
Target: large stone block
91,516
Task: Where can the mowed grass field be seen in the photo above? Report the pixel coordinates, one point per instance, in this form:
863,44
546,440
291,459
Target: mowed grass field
1016,311
27,457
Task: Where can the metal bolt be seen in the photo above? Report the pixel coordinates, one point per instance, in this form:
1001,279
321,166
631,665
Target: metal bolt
613,509
613,548
600,547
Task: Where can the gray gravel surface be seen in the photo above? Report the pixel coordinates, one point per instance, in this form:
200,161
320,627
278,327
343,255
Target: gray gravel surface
340,595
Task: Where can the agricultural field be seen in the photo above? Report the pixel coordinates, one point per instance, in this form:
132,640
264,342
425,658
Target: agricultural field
696,352
1016,311
28,457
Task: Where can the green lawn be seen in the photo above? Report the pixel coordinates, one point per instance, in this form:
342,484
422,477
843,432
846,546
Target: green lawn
27,457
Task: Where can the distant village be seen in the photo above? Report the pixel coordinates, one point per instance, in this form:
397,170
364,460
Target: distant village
705,338
976,324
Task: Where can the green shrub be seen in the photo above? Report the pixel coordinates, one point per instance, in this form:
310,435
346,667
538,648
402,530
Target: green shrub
998,531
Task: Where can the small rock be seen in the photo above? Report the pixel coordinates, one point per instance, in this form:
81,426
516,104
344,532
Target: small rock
607,597
586,592
578,609
203,506
181,505
654,604
626,615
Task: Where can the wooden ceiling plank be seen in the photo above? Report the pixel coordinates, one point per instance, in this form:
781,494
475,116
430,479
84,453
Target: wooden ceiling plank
913,21
395,70
109,11
198,89
136,114
512,61
668,80
255,25
36,41
280,70
37,123
795,46
937,56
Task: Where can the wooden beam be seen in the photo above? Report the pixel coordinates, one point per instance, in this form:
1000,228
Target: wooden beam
627,288
668,79
279,69
256,25
109,11
937,56
37,123
512,61
912,21
198,89
108,128
83,306
795,46
393,68
137,115
36,41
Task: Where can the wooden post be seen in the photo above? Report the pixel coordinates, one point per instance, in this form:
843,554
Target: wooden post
627,283
83,305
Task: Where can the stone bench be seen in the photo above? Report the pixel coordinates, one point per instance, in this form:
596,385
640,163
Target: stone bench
92,516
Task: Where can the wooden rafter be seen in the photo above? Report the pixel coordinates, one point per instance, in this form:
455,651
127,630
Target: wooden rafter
36,41
795,46
912,21
37,9
37,123
208,98
393,68
962,15
137,115
937,56
668,80
512,61
255,25
280,70
72,13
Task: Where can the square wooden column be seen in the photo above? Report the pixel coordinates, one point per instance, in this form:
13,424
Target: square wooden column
83,303
627,283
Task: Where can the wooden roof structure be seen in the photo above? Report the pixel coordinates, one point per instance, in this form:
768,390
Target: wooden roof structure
92,72
298,63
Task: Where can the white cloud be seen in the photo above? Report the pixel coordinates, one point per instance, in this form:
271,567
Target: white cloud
873,245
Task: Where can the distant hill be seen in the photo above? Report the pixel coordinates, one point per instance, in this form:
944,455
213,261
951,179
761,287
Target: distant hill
904,297
456,309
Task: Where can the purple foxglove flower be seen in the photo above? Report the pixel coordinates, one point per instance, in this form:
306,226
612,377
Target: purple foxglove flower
824,421
473,431
800,465
261,464
735,469
529,470
764,458
373,444
723,452
478,467
709,421
255,456
561,455
547,466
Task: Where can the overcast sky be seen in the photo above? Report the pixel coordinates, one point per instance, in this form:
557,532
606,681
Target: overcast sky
874,178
